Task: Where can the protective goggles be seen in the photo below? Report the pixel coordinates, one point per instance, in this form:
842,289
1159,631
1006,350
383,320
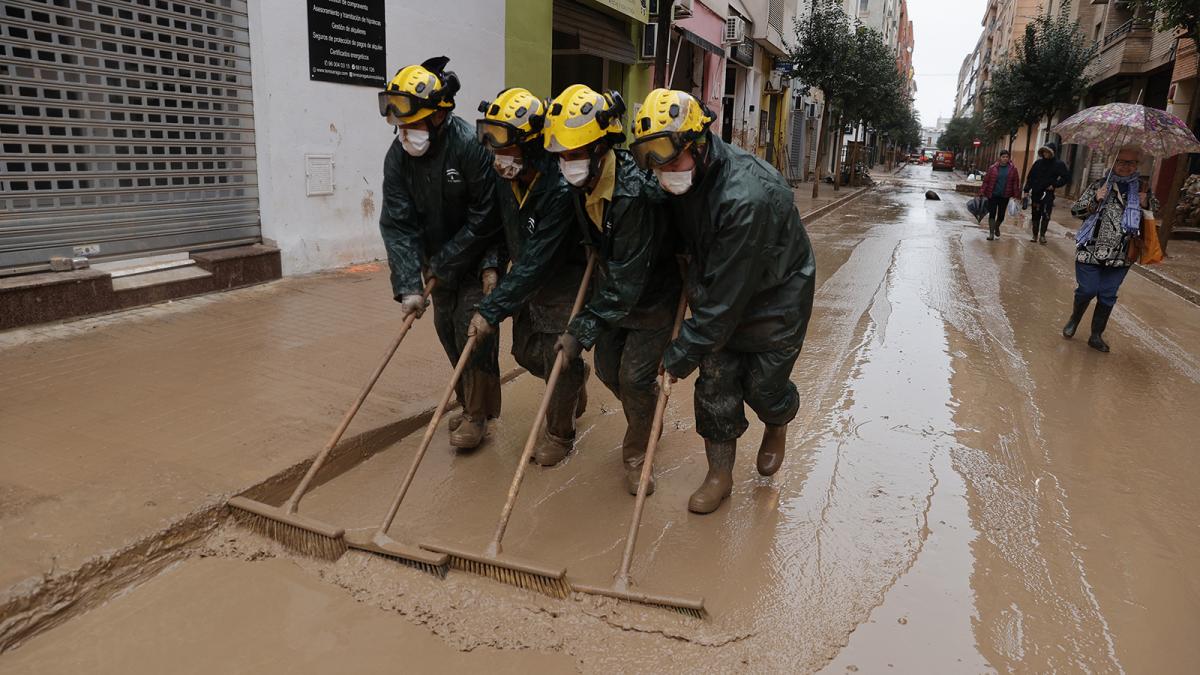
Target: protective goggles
496,134
401,104
659,149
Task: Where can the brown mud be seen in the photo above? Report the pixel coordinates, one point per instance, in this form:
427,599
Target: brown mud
965,491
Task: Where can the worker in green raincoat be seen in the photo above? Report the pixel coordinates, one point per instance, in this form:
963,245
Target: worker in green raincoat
620,214
750,283
438,218
541,237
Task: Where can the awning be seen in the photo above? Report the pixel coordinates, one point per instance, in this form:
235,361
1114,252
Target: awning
700,42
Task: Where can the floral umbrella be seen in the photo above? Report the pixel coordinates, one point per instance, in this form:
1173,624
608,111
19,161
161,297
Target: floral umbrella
1108,127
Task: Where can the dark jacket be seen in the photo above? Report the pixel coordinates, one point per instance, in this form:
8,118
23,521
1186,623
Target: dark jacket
751,278
636,281
1012,188
1046,173
438,210
543,241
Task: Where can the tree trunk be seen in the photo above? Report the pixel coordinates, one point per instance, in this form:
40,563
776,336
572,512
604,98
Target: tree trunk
1028,139
837,154
822,148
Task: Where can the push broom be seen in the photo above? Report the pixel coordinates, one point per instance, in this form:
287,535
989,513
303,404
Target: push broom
379,542
621,588
492,561
283,523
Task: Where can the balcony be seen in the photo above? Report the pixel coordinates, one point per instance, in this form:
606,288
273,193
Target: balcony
1130,49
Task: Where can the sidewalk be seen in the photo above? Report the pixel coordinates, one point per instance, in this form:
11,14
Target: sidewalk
811,209
115,429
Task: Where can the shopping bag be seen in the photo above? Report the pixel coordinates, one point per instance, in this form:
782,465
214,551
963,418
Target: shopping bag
1152,252
1014,208
978,208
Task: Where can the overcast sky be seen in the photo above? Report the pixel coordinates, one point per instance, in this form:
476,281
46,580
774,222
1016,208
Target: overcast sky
945,32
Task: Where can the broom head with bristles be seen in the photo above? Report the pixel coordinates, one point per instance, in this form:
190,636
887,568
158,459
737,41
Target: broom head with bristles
380,544
551,581
299,533
693,607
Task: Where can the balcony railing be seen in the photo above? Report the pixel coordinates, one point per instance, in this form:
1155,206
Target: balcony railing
1123,29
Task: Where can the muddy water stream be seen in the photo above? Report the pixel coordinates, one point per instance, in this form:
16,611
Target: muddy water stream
965,492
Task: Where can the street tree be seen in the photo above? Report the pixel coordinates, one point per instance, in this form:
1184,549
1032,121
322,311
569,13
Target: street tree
820,58
873,84
1052,61
1007,103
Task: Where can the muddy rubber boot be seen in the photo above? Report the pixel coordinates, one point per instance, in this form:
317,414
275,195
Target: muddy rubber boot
1099,323
718,484
551,449
1076,316
991,228
473,423
1033,239
771,449
633,450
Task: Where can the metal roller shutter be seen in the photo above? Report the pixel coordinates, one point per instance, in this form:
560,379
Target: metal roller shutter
597,33
126,126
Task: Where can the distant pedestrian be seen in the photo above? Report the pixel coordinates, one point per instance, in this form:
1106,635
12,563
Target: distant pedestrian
1112,208
1001,183
1046,175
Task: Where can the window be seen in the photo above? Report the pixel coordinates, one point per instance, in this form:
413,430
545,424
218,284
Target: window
863,5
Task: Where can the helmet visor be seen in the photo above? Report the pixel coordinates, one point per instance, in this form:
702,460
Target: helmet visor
496,134
398,104
654,151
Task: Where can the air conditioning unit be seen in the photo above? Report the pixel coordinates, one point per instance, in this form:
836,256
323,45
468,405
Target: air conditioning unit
683,9
735,30
775,81
650,41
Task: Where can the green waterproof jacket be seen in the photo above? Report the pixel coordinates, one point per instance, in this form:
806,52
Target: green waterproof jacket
636,276
438,210
548,257
751,277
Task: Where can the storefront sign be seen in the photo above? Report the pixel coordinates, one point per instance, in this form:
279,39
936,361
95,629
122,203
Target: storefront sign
346,40
638,10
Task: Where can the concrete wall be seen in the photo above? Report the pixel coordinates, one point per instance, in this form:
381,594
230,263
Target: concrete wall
294,116
527,45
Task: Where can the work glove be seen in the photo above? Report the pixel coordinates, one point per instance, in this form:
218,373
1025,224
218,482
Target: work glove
569,346
480,327
413,304
489,278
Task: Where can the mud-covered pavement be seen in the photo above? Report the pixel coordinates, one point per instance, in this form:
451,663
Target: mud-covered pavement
965,491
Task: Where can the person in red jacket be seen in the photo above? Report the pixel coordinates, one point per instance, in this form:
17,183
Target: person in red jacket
1002,182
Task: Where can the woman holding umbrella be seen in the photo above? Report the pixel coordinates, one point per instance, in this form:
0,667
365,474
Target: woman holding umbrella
1112,209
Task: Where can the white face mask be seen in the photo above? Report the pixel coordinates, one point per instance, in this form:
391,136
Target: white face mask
575,171
675,182
508,167
415,141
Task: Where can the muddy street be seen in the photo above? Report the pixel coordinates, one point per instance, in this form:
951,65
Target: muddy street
964,491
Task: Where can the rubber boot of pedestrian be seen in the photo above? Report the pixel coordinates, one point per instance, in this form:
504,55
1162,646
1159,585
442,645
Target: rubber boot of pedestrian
991,228
718,484
558,436
1042,233
1099,323
1076,316
473,425
771,449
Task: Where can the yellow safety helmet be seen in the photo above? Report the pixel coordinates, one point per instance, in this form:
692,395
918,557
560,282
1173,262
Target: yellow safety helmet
417,91
668,121
514,118
580,116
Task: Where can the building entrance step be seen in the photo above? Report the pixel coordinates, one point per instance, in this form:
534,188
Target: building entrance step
158,277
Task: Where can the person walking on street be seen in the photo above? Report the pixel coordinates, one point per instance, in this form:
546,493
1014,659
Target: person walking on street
619,210
437,218
750,283
1001,183
538,216
1046,175
1112,208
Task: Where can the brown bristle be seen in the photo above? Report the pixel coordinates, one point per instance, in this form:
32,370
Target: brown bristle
298,539
555,588
438,571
